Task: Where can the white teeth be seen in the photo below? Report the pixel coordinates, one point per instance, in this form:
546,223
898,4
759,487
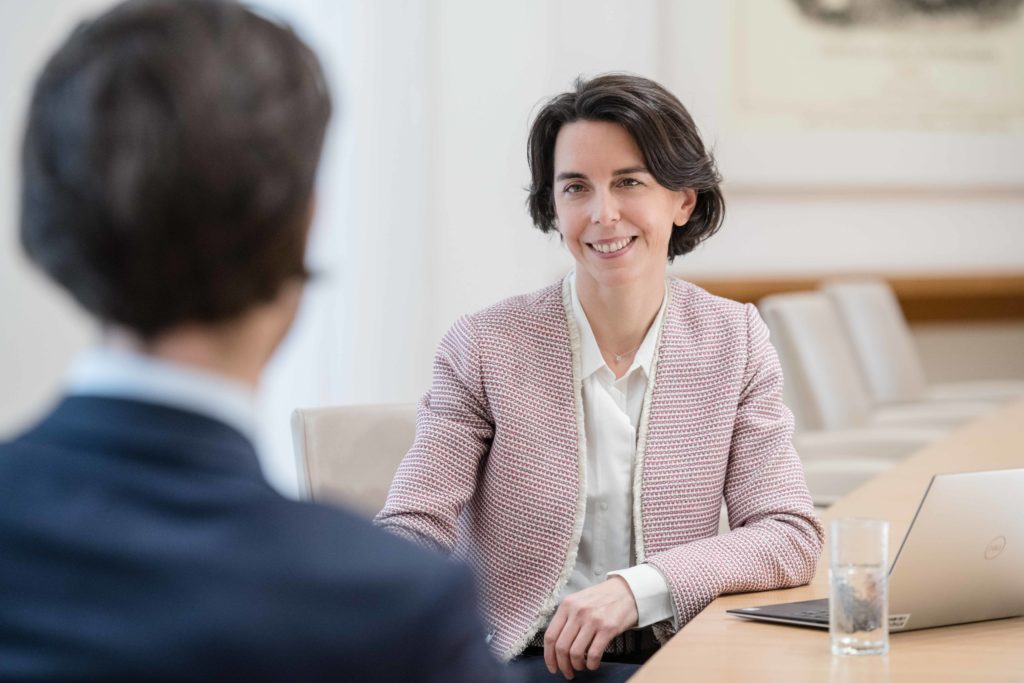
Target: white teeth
610,247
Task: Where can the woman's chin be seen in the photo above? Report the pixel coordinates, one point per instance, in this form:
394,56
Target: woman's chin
613,275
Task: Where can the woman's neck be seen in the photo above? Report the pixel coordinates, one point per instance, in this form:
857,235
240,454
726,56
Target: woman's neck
620,316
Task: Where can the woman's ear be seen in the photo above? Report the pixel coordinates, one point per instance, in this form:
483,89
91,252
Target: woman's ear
688,201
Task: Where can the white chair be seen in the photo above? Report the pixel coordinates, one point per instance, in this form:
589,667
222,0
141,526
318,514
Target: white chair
842,439
837,462
824,385
885,351
349,454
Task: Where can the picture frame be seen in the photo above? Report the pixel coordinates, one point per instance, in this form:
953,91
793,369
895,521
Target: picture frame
884,98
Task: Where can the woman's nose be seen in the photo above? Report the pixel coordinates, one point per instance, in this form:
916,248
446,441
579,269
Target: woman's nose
605,209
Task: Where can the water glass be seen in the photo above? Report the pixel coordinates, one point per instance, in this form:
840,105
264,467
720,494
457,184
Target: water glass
859,587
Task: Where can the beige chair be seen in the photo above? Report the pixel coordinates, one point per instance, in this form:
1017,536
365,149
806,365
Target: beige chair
886,354
349,454
824,385
842,438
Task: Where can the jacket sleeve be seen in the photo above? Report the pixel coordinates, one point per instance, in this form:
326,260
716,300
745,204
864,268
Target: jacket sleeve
776,537
453,435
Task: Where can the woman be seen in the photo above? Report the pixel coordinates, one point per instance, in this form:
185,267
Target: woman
599,424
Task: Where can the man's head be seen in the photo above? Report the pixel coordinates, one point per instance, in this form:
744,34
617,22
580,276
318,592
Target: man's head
169,161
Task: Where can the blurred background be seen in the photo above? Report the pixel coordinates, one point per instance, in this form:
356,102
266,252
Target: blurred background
854,137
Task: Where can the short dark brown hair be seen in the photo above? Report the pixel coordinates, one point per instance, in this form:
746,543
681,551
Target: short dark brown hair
169,160
664,132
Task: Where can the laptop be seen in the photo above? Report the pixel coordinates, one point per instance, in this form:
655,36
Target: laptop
962,559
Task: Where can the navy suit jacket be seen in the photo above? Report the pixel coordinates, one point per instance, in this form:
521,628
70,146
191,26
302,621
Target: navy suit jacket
141,542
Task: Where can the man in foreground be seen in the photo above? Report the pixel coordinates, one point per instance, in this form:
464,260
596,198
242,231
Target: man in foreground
168,171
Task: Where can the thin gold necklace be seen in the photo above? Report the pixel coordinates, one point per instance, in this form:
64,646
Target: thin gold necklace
620,356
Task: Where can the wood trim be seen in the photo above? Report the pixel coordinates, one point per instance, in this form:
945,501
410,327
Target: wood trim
924,298
829,193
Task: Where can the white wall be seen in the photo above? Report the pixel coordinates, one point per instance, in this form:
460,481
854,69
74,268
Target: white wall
487,66
421,201
40,330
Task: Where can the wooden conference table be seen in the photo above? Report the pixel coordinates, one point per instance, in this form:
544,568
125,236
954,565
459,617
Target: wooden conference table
716,646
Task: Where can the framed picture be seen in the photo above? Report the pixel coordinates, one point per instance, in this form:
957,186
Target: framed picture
835,94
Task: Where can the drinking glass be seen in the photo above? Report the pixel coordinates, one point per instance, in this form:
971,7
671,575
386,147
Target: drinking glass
859,587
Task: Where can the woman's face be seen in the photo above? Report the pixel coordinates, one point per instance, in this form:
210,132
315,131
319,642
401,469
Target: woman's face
614,217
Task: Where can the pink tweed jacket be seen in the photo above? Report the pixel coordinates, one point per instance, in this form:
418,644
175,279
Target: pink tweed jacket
496,475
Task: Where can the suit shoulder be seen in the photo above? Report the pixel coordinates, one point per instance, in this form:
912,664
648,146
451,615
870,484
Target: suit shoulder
335,536
413,591
25,456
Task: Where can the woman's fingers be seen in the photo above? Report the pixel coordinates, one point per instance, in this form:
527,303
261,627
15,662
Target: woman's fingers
565,640
597,647
554,630
580,648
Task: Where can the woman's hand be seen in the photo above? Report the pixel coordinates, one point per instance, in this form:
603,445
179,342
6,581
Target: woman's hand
584,625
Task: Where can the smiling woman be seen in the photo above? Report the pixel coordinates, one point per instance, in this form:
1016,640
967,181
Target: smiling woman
577,443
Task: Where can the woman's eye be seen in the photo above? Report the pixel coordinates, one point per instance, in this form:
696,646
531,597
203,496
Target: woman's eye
573,188
630,182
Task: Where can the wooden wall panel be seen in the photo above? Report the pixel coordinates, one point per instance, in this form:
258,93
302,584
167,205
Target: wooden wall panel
924,298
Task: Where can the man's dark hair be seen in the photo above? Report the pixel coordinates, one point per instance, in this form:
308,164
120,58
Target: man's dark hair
664,132
169,161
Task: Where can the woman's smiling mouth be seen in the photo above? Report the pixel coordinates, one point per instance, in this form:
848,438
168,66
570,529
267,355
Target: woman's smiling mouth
612,247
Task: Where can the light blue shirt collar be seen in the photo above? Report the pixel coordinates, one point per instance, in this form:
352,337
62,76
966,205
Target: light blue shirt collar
591,359
119,373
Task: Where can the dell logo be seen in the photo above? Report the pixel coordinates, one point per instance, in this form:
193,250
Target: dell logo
994,547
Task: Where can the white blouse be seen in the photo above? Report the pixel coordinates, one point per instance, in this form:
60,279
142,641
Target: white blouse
611,414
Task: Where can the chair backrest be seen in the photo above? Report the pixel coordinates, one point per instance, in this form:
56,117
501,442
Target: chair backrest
824,388
349,454
881,339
